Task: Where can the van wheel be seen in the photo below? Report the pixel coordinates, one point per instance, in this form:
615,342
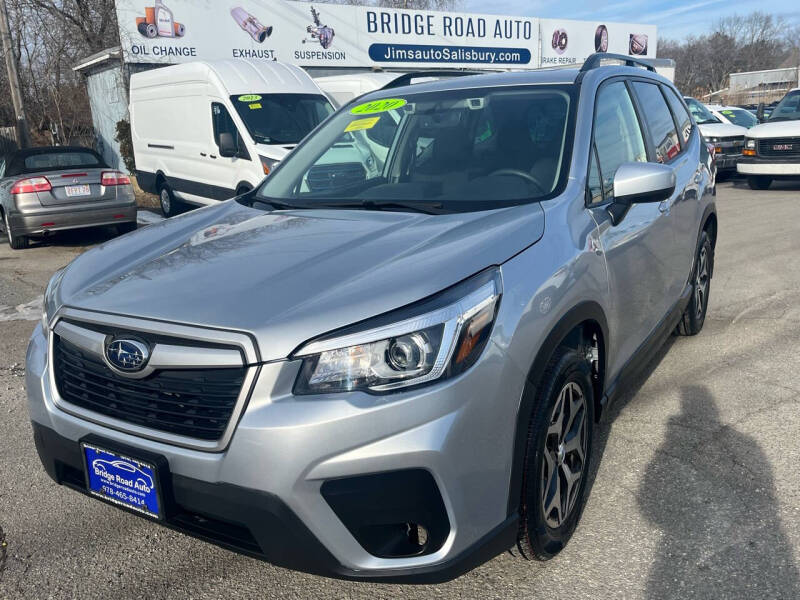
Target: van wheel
557,456
169,205
759,182
17,242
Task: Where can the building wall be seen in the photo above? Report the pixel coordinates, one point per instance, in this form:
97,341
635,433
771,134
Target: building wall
108,98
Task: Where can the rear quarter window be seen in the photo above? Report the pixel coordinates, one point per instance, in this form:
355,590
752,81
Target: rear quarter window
660,126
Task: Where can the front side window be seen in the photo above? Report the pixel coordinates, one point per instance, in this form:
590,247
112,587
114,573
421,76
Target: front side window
223,123
281,118
660,126
787,109
617,134
461,150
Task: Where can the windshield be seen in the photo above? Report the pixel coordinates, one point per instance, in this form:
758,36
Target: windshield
701,114
739,116
281,118
787,109
458,150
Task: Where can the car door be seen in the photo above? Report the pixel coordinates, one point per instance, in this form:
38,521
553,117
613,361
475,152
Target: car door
638,247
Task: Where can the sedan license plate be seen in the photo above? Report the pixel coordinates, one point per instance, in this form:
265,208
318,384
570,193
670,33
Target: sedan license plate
77,190
123,480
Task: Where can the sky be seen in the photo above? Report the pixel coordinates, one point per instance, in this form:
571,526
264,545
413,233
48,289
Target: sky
675,18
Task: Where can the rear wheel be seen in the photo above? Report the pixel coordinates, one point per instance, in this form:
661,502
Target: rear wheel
169,205
17,242
759,182
557,456
695,315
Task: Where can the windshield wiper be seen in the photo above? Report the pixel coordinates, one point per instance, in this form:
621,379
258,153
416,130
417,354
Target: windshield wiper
423,206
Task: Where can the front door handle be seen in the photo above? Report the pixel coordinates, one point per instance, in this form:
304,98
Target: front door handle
203,154
663,208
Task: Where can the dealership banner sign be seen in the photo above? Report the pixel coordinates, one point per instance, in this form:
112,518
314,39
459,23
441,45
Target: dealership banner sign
326,35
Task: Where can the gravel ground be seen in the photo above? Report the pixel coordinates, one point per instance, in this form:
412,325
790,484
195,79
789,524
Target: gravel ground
696,492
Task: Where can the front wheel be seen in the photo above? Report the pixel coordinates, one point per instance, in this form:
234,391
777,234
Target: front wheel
557,456
695,315
759,182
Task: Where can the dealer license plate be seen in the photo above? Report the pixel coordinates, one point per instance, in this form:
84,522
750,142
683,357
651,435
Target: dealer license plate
123,480
78,190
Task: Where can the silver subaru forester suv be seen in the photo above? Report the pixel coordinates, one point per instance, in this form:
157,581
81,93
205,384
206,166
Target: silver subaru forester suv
389,368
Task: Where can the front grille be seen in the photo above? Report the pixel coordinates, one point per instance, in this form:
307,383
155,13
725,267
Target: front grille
338,175
196,403
788,147
731,145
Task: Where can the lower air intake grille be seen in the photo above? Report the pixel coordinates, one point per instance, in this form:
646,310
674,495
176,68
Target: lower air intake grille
196,403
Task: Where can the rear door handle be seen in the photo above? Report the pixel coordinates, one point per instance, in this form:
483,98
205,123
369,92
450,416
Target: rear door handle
203,154
212,156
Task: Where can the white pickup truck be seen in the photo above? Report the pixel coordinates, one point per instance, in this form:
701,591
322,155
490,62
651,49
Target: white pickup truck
772,149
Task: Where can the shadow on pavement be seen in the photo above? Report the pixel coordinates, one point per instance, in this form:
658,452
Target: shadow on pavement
710,490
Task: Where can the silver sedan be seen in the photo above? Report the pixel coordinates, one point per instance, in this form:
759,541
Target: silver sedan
48,189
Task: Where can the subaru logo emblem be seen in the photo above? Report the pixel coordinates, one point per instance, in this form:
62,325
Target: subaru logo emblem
127,355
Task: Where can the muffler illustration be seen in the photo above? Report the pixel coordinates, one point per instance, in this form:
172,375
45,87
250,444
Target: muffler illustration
319,32
158,21
250,24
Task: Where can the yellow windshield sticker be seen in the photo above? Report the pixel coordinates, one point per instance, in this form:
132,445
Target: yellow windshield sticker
378,106
255,106
361,124
249,98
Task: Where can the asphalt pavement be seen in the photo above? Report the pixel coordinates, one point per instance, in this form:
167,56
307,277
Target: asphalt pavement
696,490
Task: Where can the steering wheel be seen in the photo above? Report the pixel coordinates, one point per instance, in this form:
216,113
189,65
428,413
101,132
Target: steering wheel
520,173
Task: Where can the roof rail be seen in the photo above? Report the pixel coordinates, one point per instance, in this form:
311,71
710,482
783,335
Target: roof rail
593,61
406,78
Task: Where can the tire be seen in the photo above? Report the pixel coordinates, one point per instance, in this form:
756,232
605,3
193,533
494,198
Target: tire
124,228
17,242
169,205
759,182
695,315
565,394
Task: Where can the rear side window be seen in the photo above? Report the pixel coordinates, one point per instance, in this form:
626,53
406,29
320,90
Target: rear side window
617,134
658,117
681,115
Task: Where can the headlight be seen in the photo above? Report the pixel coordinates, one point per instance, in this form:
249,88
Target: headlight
713,140
49,307
749,144
445,339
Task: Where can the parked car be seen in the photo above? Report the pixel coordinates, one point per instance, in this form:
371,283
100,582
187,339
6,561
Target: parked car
728,139
772,149
206,131
53,188
733,115
396,376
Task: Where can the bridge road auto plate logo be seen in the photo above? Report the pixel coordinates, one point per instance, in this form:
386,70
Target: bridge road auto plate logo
127,355
122,480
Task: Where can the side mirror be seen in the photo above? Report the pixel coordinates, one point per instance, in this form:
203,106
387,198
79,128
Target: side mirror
227,145
639,182
760,112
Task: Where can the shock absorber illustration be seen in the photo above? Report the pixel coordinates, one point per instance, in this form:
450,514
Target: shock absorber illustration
250,24
319,32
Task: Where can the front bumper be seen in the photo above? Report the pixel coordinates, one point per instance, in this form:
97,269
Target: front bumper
774,166
65,218
263,494
727,162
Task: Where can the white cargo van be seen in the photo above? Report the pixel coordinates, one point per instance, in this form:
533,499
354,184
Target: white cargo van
208,131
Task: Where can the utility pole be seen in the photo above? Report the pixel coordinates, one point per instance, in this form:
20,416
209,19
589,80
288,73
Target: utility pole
23,136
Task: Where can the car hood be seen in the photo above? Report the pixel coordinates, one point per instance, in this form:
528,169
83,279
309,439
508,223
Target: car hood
710,130
288,276
776,129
